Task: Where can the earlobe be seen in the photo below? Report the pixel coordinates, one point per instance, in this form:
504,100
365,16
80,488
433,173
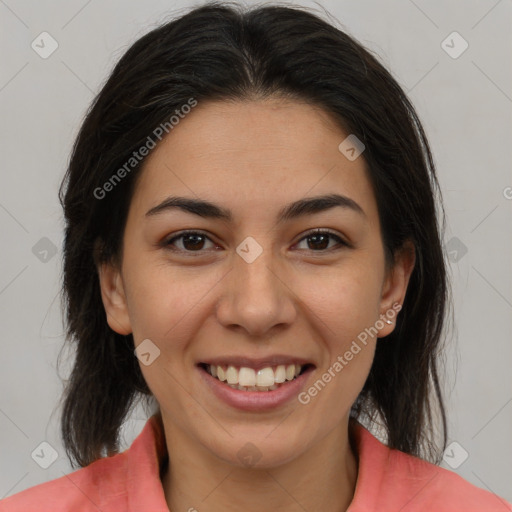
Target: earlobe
395,287
114,298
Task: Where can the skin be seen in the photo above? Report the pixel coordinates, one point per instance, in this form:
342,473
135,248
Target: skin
298,297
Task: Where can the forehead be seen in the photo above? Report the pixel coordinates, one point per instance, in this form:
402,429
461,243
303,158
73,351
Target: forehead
254,155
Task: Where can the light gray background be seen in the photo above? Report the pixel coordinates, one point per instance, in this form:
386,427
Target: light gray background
464,103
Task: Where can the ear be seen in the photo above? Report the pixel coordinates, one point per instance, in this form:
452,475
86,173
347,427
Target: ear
395,286
114,298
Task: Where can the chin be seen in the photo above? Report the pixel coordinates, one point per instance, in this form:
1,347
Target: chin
256,452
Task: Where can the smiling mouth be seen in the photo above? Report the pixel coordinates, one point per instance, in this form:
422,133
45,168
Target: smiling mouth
244,378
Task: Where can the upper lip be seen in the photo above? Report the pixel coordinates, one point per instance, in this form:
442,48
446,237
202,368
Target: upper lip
255,363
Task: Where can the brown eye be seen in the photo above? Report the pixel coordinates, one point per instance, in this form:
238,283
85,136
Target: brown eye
318,241
194,241
190,241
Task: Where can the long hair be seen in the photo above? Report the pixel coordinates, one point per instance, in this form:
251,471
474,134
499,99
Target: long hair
223,51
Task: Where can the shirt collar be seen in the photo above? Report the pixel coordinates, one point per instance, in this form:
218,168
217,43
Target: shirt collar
147,459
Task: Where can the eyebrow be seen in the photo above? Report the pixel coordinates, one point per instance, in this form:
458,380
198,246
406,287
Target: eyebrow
300,208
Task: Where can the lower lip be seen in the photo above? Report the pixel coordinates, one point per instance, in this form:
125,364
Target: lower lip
256,400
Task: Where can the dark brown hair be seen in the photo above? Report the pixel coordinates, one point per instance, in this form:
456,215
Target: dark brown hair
222,51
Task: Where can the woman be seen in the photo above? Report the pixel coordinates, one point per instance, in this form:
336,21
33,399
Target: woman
252,244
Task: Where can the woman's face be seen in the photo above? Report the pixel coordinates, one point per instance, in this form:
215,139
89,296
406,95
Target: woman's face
255,289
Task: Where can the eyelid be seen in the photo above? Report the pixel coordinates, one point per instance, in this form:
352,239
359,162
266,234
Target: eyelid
322,231
339,238
168,240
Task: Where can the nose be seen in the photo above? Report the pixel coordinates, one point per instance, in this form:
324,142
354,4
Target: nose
257,296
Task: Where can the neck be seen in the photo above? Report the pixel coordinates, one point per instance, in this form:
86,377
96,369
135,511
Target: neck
321,478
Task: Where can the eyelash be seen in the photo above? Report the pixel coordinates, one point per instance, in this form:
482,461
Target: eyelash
317,231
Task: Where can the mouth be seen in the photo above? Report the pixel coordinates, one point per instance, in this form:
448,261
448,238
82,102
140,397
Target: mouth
256,377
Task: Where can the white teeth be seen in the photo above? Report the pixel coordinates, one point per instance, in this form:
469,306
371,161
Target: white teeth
248,379
280,374
290,372
232,375
265,377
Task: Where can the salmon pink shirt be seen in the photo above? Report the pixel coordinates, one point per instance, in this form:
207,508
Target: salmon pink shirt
387,481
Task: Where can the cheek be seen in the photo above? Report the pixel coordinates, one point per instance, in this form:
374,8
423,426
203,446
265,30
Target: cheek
344,306
165,302
172,302
343,311
346,299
